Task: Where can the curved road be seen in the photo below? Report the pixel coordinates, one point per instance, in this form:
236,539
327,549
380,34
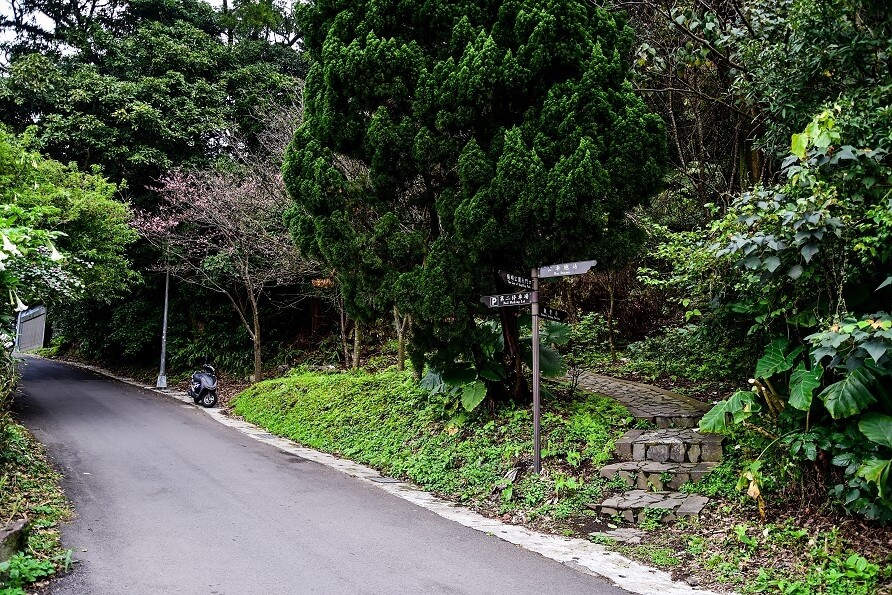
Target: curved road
170,501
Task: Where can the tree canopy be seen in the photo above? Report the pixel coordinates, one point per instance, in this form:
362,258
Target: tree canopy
443,141
140,87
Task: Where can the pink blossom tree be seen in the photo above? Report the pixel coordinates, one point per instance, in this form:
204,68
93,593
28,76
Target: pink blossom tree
222,229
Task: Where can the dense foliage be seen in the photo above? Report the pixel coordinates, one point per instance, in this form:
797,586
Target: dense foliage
142,87
805,263
136,89
50,210
444,141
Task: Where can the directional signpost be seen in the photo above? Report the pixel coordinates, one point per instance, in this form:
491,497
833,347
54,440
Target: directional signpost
507,299
516,280
567,268
532,297
553,314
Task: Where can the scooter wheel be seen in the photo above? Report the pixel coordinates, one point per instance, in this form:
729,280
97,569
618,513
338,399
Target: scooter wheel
209,399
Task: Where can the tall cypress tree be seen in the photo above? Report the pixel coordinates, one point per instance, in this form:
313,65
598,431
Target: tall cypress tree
444,140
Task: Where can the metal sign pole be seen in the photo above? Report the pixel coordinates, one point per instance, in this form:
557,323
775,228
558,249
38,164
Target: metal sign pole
537,463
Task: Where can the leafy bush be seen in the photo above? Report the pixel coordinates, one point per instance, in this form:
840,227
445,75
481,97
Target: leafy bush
23,569
842,410
692,351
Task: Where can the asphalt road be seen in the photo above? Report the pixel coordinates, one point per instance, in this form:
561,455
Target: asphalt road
170,501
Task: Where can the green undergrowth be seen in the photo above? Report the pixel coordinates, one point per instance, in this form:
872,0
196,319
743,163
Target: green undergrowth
30,487
384,420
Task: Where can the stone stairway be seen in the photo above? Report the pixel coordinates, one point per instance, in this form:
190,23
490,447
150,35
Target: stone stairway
654,464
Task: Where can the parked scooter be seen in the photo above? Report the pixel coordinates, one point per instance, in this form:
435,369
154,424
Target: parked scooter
203,388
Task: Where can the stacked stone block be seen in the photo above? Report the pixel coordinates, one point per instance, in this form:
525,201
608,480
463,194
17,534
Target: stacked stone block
652,462
630,506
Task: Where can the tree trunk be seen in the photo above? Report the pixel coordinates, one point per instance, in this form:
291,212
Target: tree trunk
401,326
255,315
357,344
610,310
512,344
342,320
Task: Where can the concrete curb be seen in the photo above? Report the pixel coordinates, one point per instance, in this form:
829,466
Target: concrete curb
579,554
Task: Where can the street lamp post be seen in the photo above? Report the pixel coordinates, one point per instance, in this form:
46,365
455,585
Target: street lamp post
162,372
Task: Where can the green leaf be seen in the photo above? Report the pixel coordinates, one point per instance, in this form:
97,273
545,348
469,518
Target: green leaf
877,428
888,281
849,396
555,333
876,471
490,375
551,362
799,145
459,373
775,360
803,383
808,251
432,382
739,407
472,394
876,348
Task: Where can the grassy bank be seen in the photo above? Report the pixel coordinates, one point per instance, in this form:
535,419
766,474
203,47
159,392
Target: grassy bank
386,421
29,487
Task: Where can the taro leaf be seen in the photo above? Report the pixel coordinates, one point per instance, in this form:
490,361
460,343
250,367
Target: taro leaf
432,382
472,394
774,360
459,373
849,396
551,362
740,406
491,375
795,272
803,383
876,471
808,251
715,420
877,428
555,333
875,348
771,263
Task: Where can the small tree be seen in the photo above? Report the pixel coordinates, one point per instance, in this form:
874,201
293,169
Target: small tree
222,229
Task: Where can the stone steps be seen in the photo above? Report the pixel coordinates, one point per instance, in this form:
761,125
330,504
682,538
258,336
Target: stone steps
652,461
655,476
631,505
665,445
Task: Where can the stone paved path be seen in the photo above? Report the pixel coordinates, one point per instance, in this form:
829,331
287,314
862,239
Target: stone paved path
662,407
